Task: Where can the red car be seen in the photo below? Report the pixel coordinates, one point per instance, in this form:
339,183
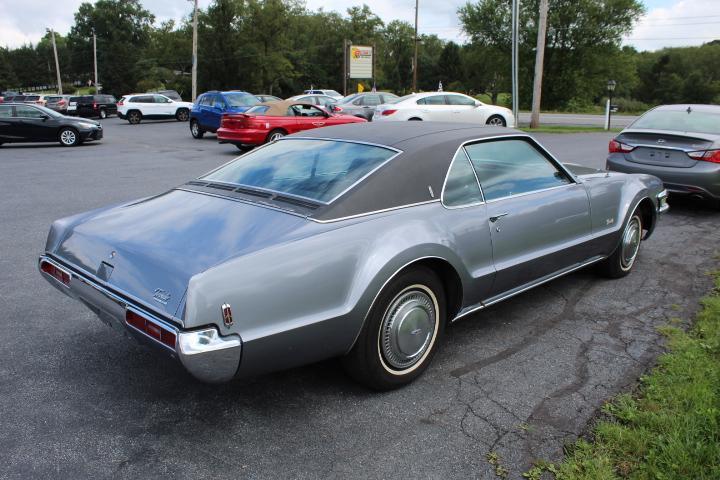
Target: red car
269,121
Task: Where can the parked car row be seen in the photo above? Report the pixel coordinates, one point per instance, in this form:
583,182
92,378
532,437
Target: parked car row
22,122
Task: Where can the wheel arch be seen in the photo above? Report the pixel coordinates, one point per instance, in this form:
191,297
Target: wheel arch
648,215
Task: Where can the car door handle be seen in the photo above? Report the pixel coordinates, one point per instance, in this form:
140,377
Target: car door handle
495,218
318,124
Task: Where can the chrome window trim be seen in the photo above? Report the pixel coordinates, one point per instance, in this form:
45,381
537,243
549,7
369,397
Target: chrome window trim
327,139
374,212
530,193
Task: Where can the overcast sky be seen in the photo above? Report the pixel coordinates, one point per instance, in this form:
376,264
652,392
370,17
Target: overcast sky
667,22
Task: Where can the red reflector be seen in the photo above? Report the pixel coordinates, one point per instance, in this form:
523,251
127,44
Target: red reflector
150,329
120,104
388,112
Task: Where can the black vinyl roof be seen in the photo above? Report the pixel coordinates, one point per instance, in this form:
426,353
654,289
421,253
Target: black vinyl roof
427,150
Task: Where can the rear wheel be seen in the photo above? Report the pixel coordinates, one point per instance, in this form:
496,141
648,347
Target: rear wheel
103,113
275,135
496,121
69,137
621,261
134,117
401,333
244,148
195,129
414,119
182,115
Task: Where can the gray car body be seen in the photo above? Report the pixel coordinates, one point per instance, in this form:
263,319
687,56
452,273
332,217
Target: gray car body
301,285
663,153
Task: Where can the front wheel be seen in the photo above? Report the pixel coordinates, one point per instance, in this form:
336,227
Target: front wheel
69,137
496,121
182,115
621,262
195,129
401,333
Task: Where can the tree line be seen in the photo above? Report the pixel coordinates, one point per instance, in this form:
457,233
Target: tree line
281,47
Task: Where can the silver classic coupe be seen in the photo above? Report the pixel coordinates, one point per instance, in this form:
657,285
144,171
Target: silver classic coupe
358,241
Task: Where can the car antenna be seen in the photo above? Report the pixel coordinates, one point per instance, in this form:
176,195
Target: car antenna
689,110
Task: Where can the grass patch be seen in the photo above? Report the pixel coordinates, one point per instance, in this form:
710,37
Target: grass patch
671,428
568,129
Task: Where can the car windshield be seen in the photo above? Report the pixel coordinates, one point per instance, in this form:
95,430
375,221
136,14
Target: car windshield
258,110
241,99
349,98
332,93
318,170
680,120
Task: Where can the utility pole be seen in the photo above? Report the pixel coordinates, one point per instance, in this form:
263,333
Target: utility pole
415,60
515,15
345,66
539,58
97,90
194,53
57,63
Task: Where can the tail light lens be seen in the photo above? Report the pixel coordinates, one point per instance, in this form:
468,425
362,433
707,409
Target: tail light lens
94,106
150,328
238,121
120,103
619,147
712,156
57,273
385,113
61,102
336,109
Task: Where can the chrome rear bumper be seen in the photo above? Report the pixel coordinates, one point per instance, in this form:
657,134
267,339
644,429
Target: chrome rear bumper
204,353
662,202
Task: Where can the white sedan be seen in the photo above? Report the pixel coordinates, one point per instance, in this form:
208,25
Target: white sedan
443,107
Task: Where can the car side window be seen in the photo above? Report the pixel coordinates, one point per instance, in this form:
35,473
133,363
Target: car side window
160,99
307,111
461,186
433,100
22,111
219,102
358,101
143,99
372,100
459,100
5,111
511,167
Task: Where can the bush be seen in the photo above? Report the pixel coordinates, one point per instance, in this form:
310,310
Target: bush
628,105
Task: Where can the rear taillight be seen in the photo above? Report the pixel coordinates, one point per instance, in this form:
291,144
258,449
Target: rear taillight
336,109
619,147
706,155
385,113
239,120
150,328
61,102
120,104
94,106
57,273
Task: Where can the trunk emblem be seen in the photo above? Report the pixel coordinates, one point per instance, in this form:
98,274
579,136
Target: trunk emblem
660,140
161,296
227,314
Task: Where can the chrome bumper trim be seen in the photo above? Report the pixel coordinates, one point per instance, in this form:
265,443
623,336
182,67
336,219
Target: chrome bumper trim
204,353
662,201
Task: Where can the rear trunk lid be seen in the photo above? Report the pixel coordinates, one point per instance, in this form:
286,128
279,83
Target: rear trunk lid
150,249
664,149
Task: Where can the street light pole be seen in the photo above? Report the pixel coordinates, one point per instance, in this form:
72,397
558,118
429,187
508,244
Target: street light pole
57,63
194,72
611,88
515,22
97,89
415,60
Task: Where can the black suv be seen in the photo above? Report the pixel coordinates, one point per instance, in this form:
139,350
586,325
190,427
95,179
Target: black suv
92,106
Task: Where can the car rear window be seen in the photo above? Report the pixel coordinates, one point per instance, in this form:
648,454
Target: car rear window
319,170
241,99
258,110
680,120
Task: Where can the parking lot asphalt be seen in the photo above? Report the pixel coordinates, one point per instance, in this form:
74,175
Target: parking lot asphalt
521,378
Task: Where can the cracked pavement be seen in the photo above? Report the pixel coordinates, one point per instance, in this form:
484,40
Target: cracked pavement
521,378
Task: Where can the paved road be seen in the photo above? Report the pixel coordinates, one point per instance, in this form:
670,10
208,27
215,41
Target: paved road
520,379
577,119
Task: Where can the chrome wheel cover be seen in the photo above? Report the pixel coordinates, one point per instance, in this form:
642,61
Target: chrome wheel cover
68,137
630,243
194,129
182,115
496,121
103,114
275,136
408,329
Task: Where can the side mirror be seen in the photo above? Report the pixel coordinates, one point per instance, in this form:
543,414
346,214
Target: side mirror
478,103
44,117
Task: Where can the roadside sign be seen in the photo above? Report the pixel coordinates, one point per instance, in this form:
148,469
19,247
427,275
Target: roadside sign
361,61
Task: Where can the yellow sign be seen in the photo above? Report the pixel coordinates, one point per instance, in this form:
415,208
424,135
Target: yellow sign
360,88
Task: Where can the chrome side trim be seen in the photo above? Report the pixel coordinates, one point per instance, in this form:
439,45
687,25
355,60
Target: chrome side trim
374,212
531,193
504,296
